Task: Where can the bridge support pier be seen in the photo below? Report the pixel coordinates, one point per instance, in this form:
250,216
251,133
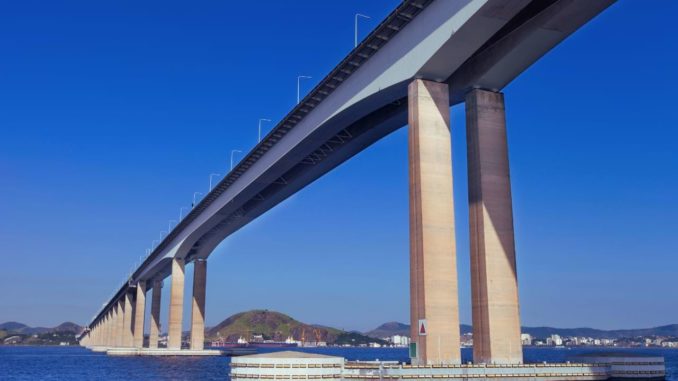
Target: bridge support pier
97,334
139,315
119,322
128,313
198,306
176,309
154,329
494,285
433,268
111,328
93,335
107,329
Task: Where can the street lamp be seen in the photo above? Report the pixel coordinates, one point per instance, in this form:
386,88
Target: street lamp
358,15
153,244
263,120
169,226
212,174
194,195
161,233
232,152
299,78
181,211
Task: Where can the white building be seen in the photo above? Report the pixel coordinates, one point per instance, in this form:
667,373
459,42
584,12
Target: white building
400,341
556,340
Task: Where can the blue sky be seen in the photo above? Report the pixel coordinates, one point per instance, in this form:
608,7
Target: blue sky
112,113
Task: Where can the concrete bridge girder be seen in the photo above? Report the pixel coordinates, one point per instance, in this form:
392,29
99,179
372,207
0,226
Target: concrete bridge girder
435,44
448,53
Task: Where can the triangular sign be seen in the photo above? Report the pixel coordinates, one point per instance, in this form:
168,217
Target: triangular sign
422,327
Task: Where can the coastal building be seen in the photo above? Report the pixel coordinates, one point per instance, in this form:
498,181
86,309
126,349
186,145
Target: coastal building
526,339
12,340
399,341
555,340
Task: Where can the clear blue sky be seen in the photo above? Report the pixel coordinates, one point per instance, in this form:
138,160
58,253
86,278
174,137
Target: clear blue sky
112,113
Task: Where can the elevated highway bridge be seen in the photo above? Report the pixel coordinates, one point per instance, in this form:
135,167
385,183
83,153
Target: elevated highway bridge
425,56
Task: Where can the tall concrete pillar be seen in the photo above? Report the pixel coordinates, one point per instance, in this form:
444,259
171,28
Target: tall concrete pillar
109,330
119,322
176,310
154,329
198,306
128,314
434,310
104,330
494,284
91,338
114,324
139,315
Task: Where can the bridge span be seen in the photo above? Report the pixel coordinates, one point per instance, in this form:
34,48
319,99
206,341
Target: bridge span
423,57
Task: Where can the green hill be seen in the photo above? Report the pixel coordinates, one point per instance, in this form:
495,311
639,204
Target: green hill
277,326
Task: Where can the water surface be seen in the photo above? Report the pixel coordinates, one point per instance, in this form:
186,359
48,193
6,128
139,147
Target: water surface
75,363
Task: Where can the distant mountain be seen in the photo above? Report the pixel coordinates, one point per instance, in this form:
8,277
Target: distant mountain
68,327
666,330
278,326
12,326
395,328
389,329
22,329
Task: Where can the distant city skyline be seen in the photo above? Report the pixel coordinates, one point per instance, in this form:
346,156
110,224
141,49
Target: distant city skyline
113,116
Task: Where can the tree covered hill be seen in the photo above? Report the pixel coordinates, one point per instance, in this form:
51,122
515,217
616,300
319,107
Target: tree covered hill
18,333
277,326
13,327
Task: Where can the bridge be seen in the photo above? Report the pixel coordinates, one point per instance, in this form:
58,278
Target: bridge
425,56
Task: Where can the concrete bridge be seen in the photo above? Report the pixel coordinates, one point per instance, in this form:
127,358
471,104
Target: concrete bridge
425,56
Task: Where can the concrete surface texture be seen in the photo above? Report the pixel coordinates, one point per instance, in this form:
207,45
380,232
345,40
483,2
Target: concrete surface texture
140,315
433,266
176,310
494,284
198,306
154,330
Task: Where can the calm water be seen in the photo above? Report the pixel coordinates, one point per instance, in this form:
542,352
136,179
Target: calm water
74,363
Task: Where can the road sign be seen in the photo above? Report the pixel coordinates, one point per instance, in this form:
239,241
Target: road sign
422,327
